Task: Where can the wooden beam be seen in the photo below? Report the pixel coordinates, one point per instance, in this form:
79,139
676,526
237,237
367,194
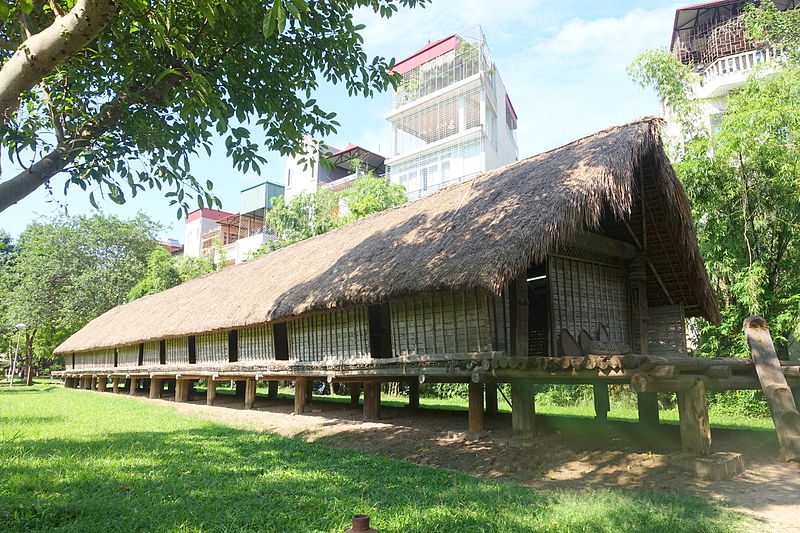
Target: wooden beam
156,386
300,387
211,392
413,394
600,244
779,396
132,388
355,392
491,398
272,390
518,316
372,400
602,405
523,409
693,414
250,394
476,392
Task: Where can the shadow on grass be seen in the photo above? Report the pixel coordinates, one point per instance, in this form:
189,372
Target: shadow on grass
215,478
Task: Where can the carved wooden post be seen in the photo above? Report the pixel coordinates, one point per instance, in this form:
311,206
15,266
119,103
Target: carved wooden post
476,407
181,390
102,381
211,392
272,391
300,386
518,315
780,399
602,405
133,383
693,414
647,402
156,386
491,398
250,394
115,384
355,393
523,409
413,394
372,400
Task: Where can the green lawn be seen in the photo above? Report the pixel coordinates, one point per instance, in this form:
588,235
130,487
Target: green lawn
80,461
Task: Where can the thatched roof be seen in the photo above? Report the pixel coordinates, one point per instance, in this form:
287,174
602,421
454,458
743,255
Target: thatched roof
478,234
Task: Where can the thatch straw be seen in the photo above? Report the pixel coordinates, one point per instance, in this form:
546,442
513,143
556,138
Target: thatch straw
478,234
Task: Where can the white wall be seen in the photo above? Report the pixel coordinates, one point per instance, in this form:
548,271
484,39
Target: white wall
192,235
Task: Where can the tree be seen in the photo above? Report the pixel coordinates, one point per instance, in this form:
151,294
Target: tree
117,95
743,180
70,270
165,271
370,194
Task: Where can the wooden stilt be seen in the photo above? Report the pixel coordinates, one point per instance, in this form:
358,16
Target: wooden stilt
309,392
272,392
413,395
602,405
156,386
250,394
372,400
647,404
181,390
240,389
355,393
476,407
132,386
171,387
115,385
300,386
523,409
102,381
693,414
491,398
211,392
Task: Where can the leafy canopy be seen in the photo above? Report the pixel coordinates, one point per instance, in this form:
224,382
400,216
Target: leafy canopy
164,272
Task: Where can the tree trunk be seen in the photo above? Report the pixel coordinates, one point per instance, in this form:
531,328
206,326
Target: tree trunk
29,336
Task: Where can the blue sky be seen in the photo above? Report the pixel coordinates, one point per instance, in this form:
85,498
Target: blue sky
563,64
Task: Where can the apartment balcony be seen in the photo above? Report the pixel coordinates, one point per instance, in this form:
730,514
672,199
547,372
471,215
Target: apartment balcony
728,72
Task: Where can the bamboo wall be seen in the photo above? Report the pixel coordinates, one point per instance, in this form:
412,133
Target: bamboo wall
666,330
94,359
334,335
152,353
442,323
256,344
177,351
212,348
128,356
585,295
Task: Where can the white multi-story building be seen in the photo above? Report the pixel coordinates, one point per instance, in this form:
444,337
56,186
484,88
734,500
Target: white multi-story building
711,39
451,117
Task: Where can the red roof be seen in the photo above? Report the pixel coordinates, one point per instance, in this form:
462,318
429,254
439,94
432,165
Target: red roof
425,54
213,214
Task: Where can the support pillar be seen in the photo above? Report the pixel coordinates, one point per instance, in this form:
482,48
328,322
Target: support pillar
240,388
476,393
693,413
156,386
309,392
647,403
602,405
181,390
491,398
300,387
102,381
115,384
413,395
250,394
523,409
372,400
132,387
355,393
272,392
211,392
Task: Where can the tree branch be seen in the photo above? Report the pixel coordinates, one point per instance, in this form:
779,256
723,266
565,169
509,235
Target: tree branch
37,56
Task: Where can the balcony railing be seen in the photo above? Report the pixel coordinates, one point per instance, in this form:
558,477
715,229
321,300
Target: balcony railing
738,63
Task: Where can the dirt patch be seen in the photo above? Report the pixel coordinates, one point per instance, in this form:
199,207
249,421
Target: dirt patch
567,453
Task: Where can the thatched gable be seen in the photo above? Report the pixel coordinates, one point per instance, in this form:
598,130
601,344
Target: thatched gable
478,234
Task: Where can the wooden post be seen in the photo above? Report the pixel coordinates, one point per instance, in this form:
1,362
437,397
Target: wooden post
181,390
491,398
355,393
372,400
240,388
780,399
300,387
523,409
309,392
413,394
102,381
693,414
156,386
132,388
476,407
115,384
250,394
518,315
211,392
602,405
272,392
647,403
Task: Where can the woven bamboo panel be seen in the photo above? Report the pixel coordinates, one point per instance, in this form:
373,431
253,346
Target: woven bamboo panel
667,330
585,295
212,348
500,323
177,351
336,335
256,344
442,323
95,359
152,353
128,356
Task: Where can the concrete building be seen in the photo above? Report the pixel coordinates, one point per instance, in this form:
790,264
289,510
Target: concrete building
451,118
237,234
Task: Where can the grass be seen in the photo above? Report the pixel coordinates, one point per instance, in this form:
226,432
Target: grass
73,460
